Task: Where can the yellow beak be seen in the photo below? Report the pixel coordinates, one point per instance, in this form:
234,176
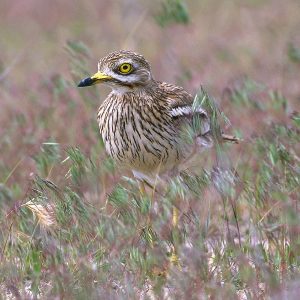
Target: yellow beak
96,78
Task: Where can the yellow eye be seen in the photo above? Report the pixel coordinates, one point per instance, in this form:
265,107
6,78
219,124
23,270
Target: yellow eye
125,68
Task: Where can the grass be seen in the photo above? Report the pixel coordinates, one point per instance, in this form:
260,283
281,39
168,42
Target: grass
73,225
82,236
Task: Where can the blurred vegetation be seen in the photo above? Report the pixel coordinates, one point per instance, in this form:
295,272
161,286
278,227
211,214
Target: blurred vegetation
173,11
294,53
75,226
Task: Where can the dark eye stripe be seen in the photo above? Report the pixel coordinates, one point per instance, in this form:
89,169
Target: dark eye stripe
123,83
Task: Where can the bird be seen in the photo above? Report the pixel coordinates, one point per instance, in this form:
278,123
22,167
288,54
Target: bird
141,121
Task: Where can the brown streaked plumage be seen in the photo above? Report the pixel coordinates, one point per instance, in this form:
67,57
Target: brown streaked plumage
141,119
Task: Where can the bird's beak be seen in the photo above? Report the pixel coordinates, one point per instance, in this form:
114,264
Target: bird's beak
96,78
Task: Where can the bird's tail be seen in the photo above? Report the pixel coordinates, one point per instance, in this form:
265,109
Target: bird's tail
207,140
230,138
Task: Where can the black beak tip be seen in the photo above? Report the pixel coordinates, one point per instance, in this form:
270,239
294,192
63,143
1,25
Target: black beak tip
80,84
85,82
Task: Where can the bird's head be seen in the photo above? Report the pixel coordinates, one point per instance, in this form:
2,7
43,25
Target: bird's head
122,71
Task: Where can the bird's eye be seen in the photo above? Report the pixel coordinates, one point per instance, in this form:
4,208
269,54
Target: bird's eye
125,68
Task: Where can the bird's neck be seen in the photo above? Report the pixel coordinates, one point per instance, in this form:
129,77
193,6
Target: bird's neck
137,89
122,90
138,97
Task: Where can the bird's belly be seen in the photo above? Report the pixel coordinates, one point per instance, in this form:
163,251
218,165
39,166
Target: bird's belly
138,145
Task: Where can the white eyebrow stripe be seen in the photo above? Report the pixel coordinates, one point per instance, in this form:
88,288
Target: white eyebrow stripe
186,111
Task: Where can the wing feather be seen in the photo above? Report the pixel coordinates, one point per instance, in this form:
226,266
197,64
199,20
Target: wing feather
180,106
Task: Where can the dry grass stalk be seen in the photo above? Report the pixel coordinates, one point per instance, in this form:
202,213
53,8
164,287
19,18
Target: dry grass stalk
44,213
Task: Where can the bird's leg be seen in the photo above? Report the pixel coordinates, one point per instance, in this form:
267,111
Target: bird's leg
174,259
144,194
147,228
142,188
175,217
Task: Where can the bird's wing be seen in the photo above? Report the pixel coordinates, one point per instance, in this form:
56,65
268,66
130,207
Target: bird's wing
180,108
